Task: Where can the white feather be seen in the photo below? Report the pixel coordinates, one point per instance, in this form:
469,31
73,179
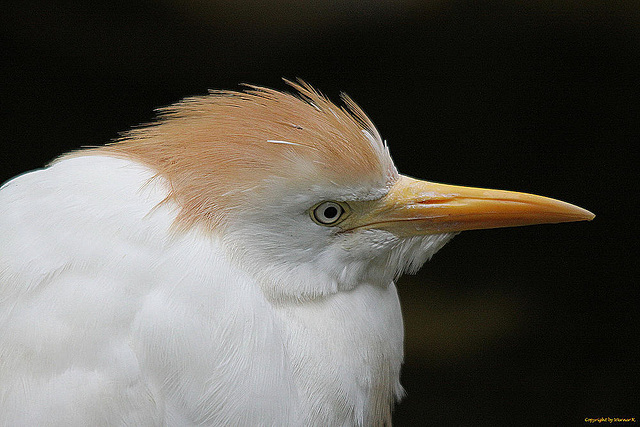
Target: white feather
108,316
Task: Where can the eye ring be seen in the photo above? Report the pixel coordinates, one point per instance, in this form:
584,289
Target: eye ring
328,213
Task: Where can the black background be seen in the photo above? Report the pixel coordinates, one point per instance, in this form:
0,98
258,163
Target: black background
534,325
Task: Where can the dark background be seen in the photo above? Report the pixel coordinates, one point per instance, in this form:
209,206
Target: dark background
534,325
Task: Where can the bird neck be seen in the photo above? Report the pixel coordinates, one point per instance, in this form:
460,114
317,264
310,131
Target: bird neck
346,350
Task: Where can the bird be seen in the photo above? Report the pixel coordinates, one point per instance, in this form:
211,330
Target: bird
231,263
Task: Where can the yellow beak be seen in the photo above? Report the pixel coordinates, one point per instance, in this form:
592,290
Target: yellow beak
414,207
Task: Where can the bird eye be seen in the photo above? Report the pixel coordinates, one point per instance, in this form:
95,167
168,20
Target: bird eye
328,213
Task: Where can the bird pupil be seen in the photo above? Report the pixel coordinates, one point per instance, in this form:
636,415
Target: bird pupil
330,212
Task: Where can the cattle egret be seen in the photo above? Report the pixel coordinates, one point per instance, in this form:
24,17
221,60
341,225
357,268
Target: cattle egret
231,263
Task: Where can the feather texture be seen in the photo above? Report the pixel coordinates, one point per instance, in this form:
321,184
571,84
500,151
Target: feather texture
216,149
177,278
109,318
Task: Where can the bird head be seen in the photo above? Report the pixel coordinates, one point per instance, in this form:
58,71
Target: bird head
303,193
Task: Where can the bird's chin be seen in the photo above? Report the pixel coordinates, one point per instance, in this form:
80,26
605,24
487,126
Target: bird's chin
373,257
408,255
